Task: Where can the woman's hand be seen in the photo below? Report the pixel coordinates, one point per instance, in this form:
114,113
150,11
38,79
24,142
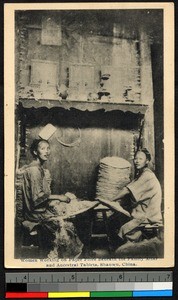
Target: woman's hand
61,198
64,198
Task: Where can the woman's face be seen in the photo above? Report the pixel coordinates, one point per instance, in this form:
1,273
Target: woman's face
43,151
140,160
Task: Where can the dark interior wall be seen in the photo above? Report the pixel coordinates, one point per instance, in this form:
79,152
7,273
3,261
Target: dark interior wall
157,65
103,134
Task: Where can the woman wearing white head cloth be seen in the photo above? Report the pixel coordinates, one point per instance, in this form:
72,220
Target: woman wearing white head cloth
145,194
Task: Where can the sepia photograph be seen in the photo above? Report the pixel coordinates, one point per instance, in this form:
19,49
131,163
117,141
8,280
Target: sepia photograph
89,135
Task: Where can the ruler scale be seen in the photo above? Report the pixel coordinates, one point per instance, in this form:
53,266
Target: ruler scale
89,284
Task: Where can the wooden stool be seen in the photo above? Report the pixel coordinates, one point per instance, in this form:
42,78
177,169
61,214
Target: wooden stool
32,246
154,230
101,209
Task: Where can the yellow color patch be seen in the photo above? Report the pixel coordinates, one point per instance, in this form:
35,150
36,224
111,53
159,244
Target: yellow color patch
69,295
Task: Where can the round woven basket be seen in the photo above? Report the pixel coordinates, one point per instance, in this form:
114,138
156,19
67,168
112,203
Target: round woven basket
114,174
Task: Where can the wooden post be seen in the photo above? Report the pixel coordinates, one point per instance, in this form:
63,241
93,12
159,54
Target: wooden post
147,94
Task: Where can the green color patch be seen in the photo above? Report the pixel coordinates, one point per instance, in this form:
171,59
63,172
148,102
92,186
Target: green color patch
111,294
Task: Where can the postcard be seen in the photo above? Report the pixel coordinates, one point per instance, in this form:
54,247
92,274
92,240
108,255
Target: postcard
89,135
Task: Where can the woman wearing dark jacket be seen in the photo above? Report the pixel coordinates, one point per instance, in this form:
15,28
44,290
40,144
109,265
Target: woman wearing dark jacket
39,207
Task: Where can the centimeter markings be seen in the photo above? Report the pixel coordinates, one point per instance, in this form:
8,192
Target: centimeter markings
85,277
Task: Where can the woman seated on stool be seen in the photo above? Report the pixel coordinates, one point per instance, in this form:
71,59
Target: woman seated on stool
145,196
39,206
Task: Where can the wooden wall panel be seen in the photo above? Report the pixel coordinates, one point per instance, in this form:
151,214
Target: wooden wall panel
74,169
84,48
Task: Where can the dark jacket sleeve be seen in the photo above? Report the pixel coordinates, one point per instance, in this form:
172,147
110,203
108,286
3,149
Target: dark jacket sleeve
38,195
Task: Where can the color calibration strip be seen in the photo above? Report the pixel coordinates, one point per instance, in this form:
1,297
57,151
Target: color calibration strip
63,285
138,289
107,294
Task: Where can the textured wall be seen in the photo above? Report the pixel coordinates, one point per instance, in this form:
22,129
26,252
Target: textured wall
114,50
117,43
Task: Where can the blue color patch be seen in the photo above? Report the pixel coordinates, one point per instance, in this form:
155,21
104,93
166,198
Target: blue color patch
166,293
